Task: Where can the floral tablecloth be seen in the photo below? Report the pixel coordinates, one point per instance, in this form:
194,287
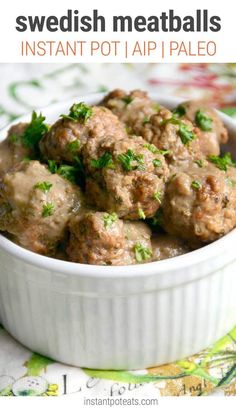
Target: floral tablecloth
24,87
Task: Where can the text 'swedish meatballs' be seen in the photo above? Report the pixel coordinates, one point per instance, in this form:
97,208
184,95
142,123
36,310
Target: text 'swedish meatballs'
35,206
68,135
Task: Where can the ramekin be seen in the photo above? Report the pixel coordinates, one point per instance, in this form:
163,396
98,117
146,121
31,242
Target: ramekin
128,317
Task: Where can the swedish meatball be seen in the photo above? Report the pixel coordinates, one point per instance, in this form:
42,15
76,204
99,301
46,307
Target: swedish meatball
124,176
210,129
200,203
165,246
133,109
175,136
35,206
96,238
101,238
66,137
138,248
12,151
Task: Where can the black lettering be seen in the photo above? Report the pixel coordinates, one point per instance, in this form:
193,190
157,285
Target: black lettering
121,23
21,25
153,24
188,24
215,25
174,22
52,21
85,20
96,20
66,22
139,22
36,23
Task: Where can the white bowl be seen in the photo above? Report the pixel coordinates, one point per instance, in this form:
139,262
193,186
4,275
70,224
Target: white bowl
126,317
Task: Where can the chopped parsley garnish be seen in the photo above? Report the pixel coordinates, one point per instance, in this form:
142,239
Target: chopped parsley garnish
200,163
196,185
34,131
131,161
52,166
156,107
127,100
78,112
222,162
157,163
142,253
146,120
48,209
185,133
44,186
68,172
230,182
105,161
157,220
73,146
156,150
14,138
179,111
157,196
109,219
141,213
203,121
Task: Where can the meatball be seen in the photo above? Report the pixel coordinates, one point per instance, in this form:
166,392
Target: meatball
133,109
12,150
96,238
66,137
138,248
125,177
102,239
35,206
165,246
200,203
210,129
177,137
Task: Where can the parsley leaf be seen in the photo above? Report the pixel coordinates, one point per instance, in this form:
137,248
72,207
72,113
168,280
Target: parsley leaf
157,163
203,121
179,111
185,133
142,253
222,162
155,150
146,120
157,196
141,213
34,131
78,112
73,146
200,163
109,219
127,100
196,185
68,172
52,166
48,209
131,161
105,161
44,186
157,220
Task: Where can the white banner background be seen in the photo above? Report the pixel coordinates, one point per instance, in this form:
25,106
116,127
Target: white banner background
10,38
